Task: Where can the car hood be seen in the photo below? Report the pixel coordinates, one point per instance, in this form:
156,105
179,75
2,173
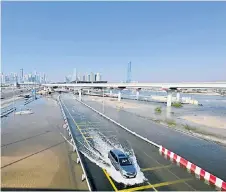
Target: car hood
129,168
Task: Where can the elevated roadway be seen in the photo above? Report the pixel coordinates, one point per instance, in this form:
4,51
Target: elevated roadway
143,85
161,174
168,87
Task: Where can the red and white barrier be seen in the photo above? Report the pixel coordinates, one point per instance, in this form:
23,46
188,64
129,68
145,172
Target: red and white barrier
192,168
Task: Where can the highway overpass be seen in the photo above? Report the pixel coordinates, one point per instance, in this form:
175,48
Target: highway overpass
168,87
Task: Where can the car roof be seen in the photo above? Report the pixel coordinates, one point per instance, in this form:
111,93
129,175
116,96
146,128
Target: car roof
118,152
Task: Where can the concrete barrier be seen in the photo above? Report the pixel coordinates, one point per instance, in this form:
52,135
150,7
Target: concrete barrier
84,175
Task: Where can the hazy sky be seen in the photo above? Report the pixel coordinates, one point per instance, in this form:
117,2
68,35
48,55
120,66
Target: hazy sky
165,41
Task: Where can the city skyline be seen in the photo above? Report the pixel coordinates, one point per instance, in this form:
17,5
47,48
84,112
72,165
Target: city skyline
81,76
165,41
21,77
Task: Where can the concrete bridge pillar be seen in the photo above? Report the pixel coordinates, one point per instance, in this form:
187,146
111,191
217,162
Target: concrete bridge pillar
138,93
119,94
178,96
79,94
111,91
88,91
169,98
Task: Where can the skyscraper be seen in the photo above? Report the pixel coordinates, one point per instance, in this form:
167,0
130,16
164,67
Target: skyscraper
2,78
92,77
98,77
128,80
21,75
74,77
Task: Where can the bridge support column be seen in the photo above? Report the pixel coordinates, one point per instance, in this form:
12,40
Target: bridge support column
119,95
79,94
88,91
178,96
169,98
138,93
110,92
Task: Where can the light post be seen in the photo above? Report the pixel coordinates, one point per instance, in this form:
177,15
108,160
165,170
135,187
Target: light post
103,101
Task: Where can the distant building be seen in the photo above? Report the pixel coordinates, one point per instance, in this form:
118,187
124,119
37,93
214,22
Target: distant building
2,78
98,77
92,77
74,77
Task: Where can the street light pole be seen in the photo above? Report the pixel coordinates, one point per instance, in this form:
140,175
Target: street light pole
13,99
103,100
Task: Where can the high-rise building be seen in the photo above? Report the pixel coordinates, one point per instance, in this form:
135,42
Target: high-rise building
129,71
67,79
75,76
92,77
84,78
21,75
87,77
30,79
80,77
95,77
98,77
2,78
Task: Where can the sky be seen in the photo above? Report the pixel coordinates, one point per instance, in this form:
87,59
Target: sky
165,41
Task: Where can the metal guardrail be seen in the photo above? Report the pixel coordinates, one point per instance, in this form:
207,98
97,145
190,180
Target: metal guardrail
79,160
28,101
8,111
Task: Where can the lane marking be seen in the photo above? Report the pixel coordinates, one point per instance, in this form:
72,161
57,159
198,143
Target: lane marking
157,167
87,123
157,185
76,125
84,129
170,171
110,180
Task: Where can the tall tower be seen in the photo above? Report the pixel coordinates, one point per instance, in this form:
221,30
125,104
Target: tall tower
75,77
129,73
21,75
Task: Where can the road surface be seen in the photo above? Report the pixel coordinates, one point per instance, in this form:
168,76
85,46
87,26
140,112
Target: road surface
88,127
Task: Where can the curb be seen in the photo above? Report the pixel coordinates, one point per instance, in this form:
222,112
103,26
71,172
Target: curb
192,168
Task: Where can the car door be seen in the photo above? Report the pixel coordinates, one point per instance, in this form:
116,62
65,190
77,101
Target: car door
112,158
114,161
117,163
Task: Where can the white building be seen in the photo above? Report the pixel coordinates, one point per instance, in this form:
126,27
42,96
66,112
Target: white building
92,77
98,77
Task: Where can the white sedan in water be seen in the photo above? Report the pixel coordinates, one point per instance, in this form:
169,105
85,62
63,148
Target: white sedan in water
122,163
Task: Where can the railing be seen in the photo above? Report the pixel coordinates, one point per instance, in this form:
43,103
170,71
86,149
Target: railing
8,111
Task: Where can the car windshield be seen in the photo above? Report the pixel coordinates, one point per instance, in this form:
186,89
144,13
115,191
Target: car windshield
124,161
